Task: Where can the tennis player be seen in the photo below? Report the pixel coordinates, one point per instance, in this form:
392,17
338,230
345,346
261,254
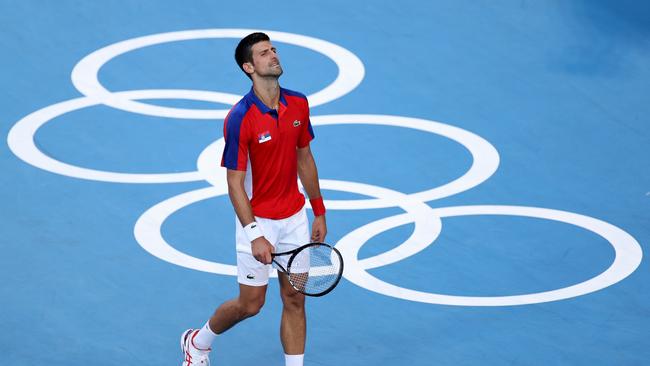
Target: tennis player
267,136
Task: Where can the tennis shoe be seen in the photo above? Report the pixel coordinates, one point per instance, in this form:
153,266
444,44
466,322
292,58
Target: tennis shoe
193,356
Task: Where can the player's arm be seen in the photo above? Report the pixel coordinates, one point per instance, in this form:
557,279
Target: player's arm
309,177
238,197
260,247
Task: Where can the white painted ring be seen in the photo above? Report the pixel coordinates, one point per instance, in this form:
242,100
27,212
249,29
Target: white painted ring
85,74
628,257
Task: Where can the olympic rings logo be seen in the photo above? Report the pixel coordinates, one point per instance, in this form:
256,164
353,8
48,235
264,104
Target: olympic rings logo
427,221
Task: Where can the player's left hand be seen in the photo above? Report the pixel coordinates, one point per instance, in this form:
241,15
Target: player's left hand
318,229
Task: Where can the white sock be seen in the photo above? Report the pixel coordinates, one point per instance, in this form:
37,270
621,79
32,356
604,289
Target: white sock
293,360
204,338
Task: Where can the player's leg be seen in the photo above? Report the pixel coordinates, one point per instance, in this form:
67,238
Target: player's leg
253,278
196,343
247,304
293,326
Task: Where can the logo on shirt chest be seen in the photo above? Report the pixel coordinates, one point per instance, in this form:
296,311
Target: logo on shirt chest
264,137
296,123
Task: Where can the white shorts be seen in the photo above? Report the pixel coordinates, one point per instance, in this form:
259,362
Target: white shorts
285,234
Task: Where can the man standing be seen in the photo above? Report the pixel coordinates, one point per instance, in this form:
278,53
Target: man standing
267,136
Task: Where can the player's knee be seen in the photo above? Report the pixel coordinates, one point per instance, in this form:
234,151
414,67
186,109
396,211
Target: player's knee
293,300
252,307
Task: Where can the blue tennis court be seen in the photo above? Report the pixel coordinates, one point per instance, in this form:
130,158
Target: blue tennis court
485,167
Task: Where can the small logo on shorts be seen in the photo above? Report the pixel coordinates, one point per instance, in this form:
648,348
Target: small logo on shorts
250,276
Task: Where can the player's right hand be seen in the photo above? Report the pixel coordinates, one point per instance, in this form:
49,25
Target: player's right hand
262,250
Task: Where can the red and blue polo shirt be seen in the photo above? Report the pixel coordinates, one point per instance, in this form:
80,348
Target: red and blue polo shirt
263,142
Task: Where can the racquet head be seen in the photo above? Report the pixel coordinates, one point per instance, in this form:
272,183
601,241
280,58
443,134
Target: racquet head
315,269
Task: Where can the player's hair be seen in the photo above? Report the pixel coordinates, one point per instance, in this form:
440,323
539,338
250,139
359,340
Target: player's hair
244,53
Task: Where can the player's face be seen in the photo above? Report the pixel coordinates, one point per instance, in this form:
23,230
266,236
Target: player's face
265,59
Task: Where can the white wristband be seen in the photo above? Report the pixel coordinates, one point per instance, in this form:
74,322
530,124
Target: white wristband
252,231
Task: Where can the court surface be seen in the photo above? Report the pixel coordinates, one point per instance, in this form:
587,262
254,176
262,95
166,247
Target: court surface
485,166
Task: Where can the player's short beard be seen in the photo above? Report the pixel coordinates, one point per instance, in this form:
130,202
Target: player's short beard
273,72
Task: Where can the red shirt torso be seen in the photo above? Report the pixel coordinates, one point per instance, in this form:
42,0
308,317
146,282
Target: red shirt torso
266,140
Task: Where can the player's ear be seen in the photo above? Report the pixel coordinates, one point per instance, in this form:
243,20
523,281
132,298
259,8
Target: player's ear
248,67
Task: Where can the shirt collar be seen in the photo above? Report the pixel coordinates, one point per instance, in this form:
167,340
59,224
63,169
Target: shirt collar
260,105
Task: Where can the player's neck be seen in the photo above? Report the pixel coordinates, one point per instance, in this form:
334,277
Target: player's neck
268,91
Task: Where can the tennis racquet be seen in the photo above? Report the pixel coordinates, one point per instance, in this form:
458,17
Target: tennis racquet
313,269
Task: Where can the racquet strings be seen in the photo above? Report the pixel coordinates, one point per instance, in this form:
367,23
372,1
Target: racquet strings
315,269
